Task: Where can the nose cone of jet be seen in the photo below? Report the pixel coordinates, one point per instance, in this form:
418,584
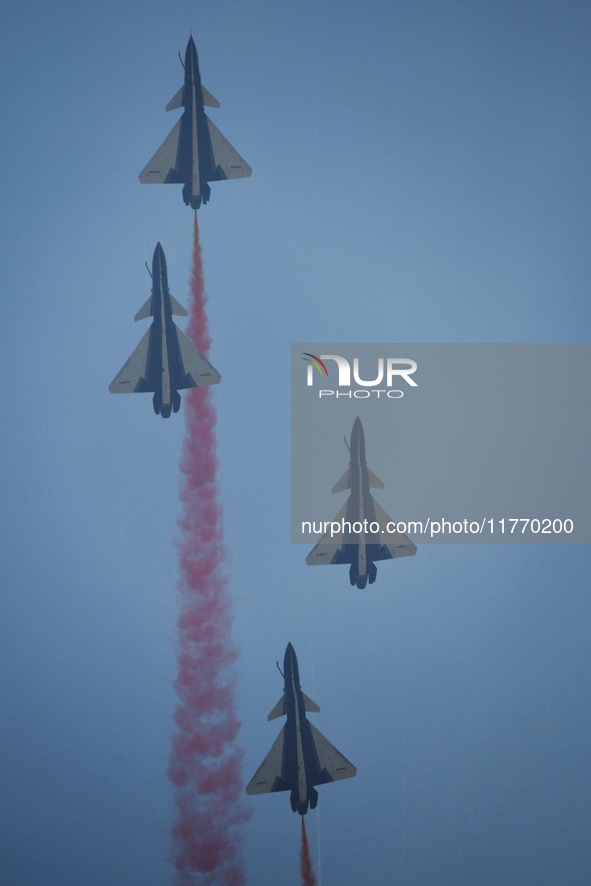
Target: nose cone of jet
159,261
159,275
191,50
191,62
290,662
357,435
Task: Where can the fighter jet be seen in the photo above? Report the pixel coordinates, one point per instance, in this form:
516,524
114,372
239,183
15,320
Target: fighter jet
195,152
301,756
165,361
354,542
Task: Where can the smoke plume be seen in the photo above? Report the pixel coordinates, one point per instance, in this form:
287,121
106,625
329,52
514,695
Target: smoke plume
205,765
308,878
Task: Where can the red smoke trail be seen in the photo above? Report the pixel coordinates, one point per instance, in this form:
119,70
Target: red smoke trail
308,878
205,761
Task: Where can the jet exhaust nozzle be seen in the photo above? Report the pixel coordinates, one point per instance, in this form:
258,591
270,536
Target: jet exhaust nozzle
163,409
302,807
361,580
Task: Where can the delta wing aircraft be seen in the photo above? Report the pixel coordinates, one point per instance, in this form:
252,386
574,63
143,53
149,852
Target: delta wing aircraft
165,361
301,756
360,548
195,152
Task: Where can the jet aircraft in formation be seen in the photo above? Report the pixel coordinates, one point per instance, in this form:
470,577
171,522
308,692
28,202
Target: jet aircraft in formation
360,549
301,756
195,152
165,361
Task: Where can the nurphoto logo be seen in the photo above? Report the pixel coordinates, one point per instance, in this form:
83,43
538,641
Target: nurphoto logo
388,370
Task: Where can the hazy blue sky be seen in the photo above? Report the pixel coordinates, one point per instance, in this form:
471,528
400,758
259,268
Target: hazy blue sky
420,173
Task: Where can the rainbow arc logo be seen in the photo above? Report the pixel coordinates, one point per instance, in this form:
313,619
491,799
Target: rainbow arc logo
316,362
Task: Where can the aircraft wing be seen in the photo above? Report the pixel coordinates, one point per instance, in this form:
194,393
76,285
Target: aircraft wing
134,377
162,168
227,162
208,99
397,545
267,778
177,101
333,766
196,370
278,710
343,483
310,705
328,549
